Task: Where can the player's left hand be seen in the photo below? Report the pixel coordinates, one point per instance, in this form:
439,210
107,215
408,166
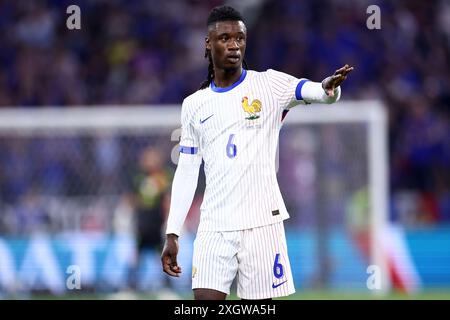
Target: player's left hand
334,81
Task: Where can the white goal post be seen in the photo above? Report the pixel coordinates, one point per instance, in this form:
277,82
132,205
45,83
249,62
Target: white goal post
374,114
155,118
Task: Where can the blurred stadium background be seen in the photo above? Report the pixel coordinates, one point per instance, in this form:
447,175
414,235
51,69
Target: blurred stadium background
89,128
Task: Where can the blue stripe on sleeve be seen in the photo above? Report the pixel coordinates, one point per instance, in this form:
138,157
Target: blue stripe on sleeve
298,90
188,150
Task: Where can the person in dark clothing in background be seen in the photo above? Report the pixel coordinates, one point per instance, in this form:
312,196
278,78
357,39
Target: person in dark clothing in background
150,198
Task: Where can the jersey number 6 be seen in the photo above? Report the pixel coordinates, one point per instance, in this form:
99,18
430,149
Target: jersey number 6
231,148
277,267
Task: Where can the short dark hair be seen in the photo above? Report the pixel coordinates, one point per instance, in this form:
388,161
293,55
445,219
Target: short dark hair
223,13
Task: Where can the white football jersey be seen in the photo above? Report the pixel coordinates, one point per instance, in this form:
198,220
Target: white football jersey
235,130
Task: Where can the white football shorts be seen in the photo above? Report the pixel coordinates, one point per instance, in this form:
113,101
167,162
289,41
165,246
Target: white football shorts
257,256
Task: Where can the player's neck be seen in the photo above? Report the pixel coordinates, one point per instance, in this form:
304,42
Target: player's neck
226,77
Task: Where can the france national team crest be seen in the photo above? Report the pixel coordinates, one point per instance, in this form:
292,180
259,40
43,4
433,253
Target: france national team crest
252,107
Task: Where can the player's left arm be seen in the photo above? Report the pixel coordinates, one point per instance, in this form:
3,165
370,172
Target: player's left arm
327,91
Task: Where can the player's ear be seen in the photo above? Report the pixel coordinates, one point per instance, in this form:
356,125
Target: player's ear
207,43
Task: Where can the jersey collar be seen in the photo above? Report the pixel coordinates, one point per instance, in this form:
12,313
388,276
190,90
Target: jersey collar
225,89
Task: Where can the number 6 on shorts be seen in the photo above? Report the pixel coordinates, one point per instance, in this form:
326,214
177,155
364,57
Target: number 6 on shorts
277,267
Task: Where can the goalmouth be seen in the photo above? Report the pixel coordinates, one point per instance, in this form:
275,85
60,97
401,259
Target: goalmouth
125,129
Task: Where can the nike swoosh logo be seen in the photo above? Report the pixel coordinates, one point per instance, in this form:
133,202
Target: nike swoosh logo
201,121
277,285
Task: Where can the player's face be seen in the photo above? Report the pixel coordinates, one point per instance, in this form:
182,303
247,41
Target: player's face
226,42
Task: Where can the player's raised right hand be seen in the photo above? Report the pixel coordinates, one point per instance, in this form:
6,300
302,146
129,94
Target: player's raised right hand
169,256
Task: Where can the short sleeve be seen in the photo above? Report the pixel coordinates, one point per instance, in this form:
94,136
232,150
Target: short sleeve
189,143
286,88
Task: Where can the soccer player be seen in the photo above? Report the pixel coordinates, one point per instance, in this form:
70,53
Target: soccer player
232,122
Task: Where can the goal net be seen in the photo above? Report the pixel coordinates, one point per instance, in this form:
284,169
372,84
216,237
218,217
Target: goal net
66,176
333,175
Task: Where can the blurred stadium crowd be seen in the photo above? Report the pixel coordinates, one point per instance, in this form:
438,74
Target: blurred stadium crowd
151,52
